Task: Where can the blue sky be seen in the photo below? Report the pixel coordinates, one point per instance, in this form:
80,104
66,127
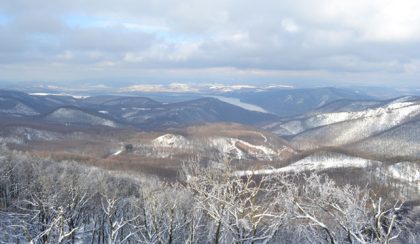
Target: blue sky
3,18
331,42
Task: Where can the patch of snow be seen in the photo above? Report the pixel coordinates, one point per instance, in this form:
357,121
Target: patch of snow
173,87
22,135
405,171
265,150
170,140
76,116
228,145
279,86
142,109
45,94
399,110
315,163
324,100
386,116
21,109
239,103
229,88
79,97
58,94
264,137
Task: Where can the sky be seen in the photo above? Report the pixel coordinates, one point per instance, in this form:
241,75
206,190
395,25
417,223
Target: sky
338,42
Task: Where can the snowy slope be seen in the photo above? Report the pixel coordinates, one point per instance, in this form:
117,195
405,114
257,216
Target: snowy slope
401,141
21,135
226,147
242,149
344,128
392,113
403,172
71,115
316,162
171,140
19,109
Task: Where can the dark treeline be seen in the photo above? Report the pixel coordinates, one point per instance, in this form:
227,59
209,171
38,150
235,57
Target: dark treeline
49,201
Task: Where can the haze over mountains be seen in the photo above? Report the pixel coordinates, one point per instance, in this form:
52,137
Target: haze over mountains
309,119
350,136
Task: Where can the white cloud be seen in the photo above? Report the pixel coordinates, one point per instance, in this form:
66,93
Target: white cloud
289,25
328,39
413,66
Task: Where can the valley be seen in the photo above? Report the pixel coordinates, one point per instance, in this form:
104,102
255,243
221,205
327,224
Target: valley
361,142
138,132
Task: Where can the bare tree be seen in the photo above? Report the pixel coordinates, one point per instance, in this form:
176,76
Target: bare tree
240,209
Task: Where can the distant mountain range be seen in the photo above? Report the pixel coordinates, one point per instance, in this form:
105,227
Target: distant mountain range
292,102
323,129
116,111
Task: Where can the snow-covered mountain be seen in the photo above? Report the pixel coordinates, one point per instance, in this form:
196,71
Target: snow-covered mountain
334,129
71,115
402,141
151,135
178,144
140,112
292,102
236,144
389,114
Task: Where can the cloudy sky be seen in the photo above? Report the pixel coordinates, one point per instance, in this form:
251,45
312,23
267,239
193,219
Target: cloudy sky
364,42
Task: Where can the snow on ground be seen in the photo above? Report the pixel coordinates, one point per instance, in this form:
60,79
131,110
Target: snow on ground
231,147
22,135
227,146
170,140
324,100
58,94
264,137
77,116
20,108
239,103
398,110
315,163
117,152
391,114
229,88
404,172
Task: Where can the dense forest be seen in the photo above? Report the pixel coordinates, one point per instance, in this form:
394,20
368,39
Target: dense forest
50,201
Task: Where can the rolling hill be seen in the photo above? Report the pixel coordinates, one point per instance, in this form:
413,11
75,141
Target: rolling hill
292,102
126,111
319,129
402,141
